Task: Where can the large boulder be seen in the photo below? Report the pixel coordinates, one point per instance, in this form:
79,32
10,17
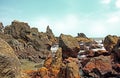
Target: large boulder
70,46
110,41
116,52
98,67
9,63
116,58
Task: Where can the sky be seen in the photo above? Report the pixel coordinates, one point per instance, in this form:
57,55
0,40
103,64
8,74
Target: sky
95,18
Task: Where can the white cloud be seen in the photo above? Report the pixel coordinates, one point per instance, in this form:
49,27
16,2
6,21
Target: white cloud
105,1
65,24
117,3
98,30
113,19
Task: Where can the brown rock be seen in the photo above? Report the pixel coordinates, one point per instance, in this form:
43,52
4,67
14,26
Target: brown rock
82,35
54,63
9,63
27,42
17,29
1,27
48,62
70,69
69,45
116,52
109,42
83,38
50,35
98,66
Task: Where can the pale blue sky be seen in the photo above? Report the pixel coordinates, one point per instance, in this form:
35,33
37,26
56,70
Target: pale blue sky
95,18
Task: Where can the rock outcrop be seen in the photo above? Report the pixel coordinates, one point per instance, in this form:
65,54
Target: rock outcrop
110,41
1,27
70,46
9,63
83,38
82,35
28,43
50,35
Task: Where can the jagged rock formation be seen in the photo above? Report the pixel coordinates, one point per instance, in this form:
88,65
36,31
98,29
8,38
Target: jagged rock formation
82,35
70,46
1,27
9,63
83,38
110,41
50,35
27,42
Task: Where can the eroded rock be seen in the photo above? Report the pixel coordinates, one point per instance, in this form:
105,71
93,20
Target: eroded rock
70,46
9,63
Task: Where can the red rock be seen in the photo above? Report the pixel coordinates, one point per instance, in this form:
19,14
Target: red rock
98,66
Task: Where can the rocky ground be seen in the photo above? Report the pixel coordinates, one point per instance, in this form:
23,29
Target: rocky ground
26,53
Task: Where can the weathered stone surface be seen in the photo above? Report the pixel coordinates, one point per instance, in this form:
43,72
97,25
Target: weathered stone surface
17,29
28,43
50,35
70,69
116,57
116,52
82,35
83,38
56,63
69,45
1,27
9,63
109,42
98,66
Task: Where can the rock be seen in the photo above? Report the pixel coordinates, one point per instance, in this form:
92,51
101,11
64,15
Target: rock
48,62
116,52
70,69
83,38
28,43
56,63
9,63
50,35
110,41
98,67
15,44
115,56
91,53
43,72
82,35
17,29
69,45
1,27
